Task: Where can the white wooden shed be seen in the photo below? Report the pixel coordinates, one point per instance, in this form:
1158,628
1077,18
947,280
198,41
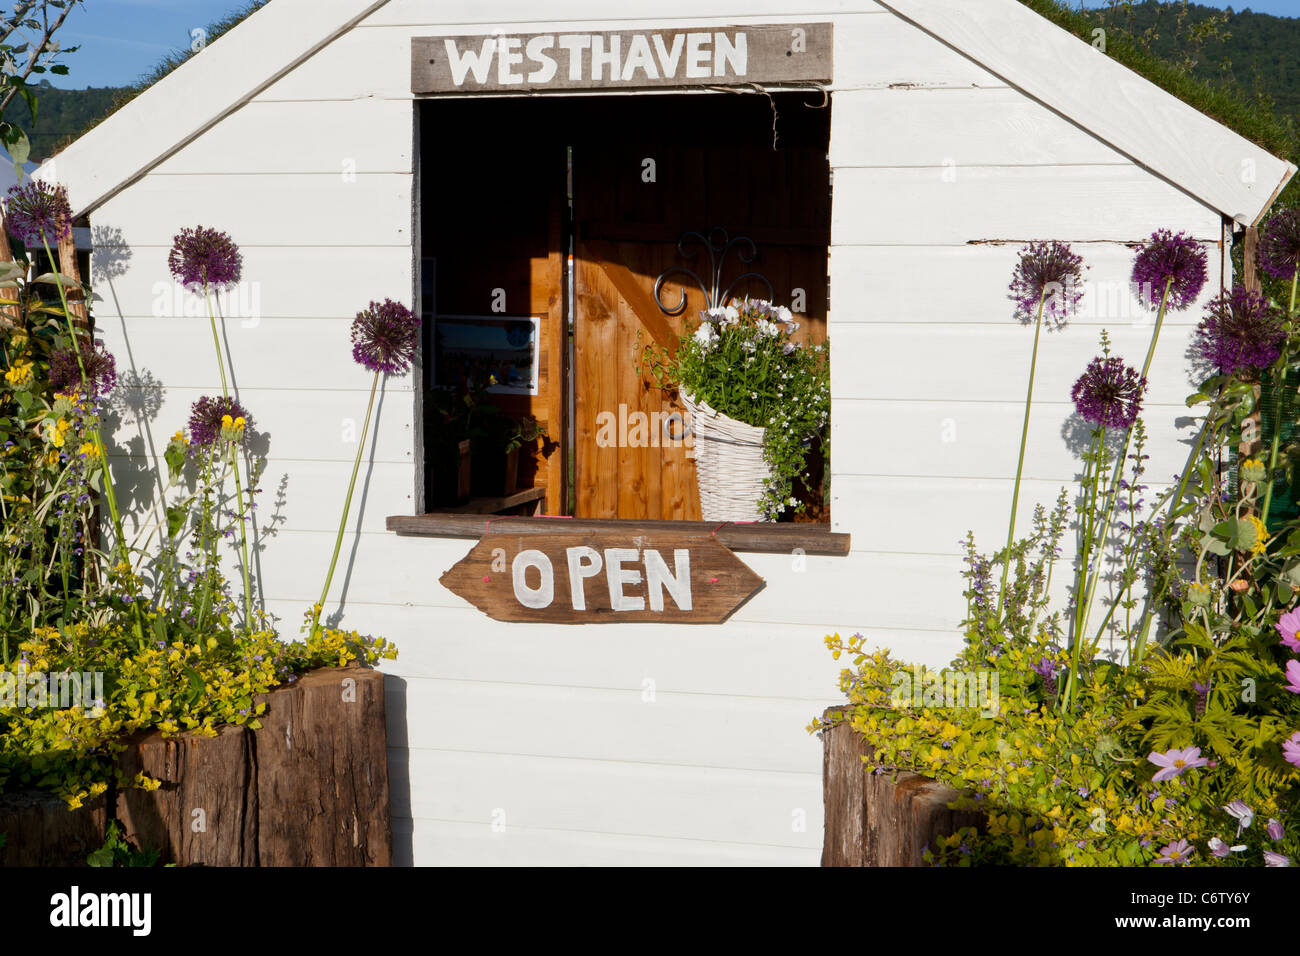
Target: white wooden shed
952,132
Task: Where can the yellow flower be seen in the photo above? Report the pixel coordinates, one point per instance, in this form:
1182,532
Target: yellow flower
1261,534
88,449
19,375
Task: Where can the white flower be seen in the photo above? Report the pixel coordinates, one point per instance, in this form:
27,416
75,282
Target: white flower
706,335
730,315
784,315
767,328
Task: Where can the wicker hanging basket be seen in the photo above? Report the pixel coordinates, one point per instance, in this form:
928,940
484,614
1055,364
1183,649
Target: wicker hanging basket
729,464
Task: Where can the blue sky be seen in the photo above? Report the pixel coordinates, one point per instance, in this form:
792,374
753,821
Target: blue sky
122,39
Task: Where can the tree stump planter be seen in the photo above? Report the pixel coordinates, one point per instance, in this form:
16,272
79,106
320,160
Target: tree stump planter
879,819
308,788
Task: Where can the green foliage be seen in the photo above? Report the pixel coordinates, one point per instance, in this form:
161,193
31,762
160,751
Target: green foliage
117,851
741,361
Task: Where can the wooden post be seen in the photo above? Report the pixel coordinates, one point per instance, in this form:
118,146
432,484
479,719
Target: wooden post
68,266
322,772
10,315
40,830
885,819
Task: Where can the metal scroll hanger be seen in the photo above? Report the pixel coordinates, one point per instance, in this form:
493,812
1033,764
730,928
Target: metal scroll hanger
719,245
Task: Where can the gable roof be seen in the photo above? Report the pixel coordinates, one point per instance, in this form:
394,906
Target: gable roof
1154,128
1151,126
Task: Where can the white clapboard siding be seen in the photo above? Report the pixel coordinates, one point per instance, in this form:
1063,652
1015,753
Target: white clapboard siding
418,13
318,425
133,282
852,592
437,843
975,439
307,354
956,128
359,136
917,205
887,512
602,796
870,51
693,730
933,362
744,659
969,283
1169,136
323,209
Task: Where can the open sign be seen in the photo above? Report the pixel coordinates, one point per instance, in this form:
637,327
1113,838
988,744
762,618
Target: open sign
593,578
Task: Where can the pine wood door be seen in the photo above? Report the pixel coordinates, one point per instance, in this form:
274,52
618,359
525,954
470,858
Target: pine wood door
644,174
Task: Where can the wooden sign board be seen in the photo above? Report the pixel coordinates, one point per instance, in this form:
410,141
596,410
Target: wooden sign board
603,578
623,59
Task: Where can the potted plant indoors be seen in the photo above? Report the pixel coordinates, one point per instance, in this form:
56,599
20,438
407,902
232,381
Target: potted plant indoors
757,402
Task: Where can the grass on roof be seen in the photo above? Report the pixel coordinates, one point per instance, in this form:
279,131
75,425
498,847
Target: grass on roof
1253,119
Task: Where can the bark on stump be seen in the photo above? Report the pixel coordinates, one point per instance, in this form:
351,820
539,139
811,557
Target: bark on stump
205,812
40,830
879,819
322,772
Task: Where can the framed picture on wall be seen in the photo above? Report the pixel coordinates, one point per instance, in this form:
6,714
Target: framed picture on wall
475,347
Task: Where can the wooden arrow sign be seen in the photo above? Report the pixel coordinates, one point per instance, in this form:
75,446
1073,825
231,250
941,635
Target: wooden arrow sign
603,578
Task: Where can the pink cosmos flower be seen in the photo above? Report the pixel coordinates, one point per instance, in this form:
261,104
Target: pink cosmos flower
1175,761
1274,829
1220,849
1287,625
1293,676
1276,859
1243,814
1291,749
1177,852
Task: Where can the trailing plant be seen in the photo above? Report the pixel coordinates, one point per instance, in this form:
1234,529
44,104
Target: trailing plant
742,360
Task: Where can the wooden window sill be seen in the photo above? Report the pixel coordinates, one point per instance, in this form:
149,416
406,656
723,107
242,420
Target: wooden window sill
758,537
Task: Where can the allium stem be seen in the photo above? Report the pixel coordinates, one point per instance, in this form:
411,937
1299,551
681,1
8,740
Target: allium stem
1277,422
243,538
109,495
1092,478
1020,463
347,506
216,340
1113,500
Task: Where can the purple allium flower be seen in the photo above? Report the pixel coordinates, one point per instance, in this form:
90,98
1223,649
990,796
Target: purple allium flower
1240,332
1276,859
1291,749
1243,814
101,370
383,337
1176,852
1292,676
205,419
38,212
1279,244
1109,393
1174,761
1178,260
202,255
1051,273
1274,829
1287,625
